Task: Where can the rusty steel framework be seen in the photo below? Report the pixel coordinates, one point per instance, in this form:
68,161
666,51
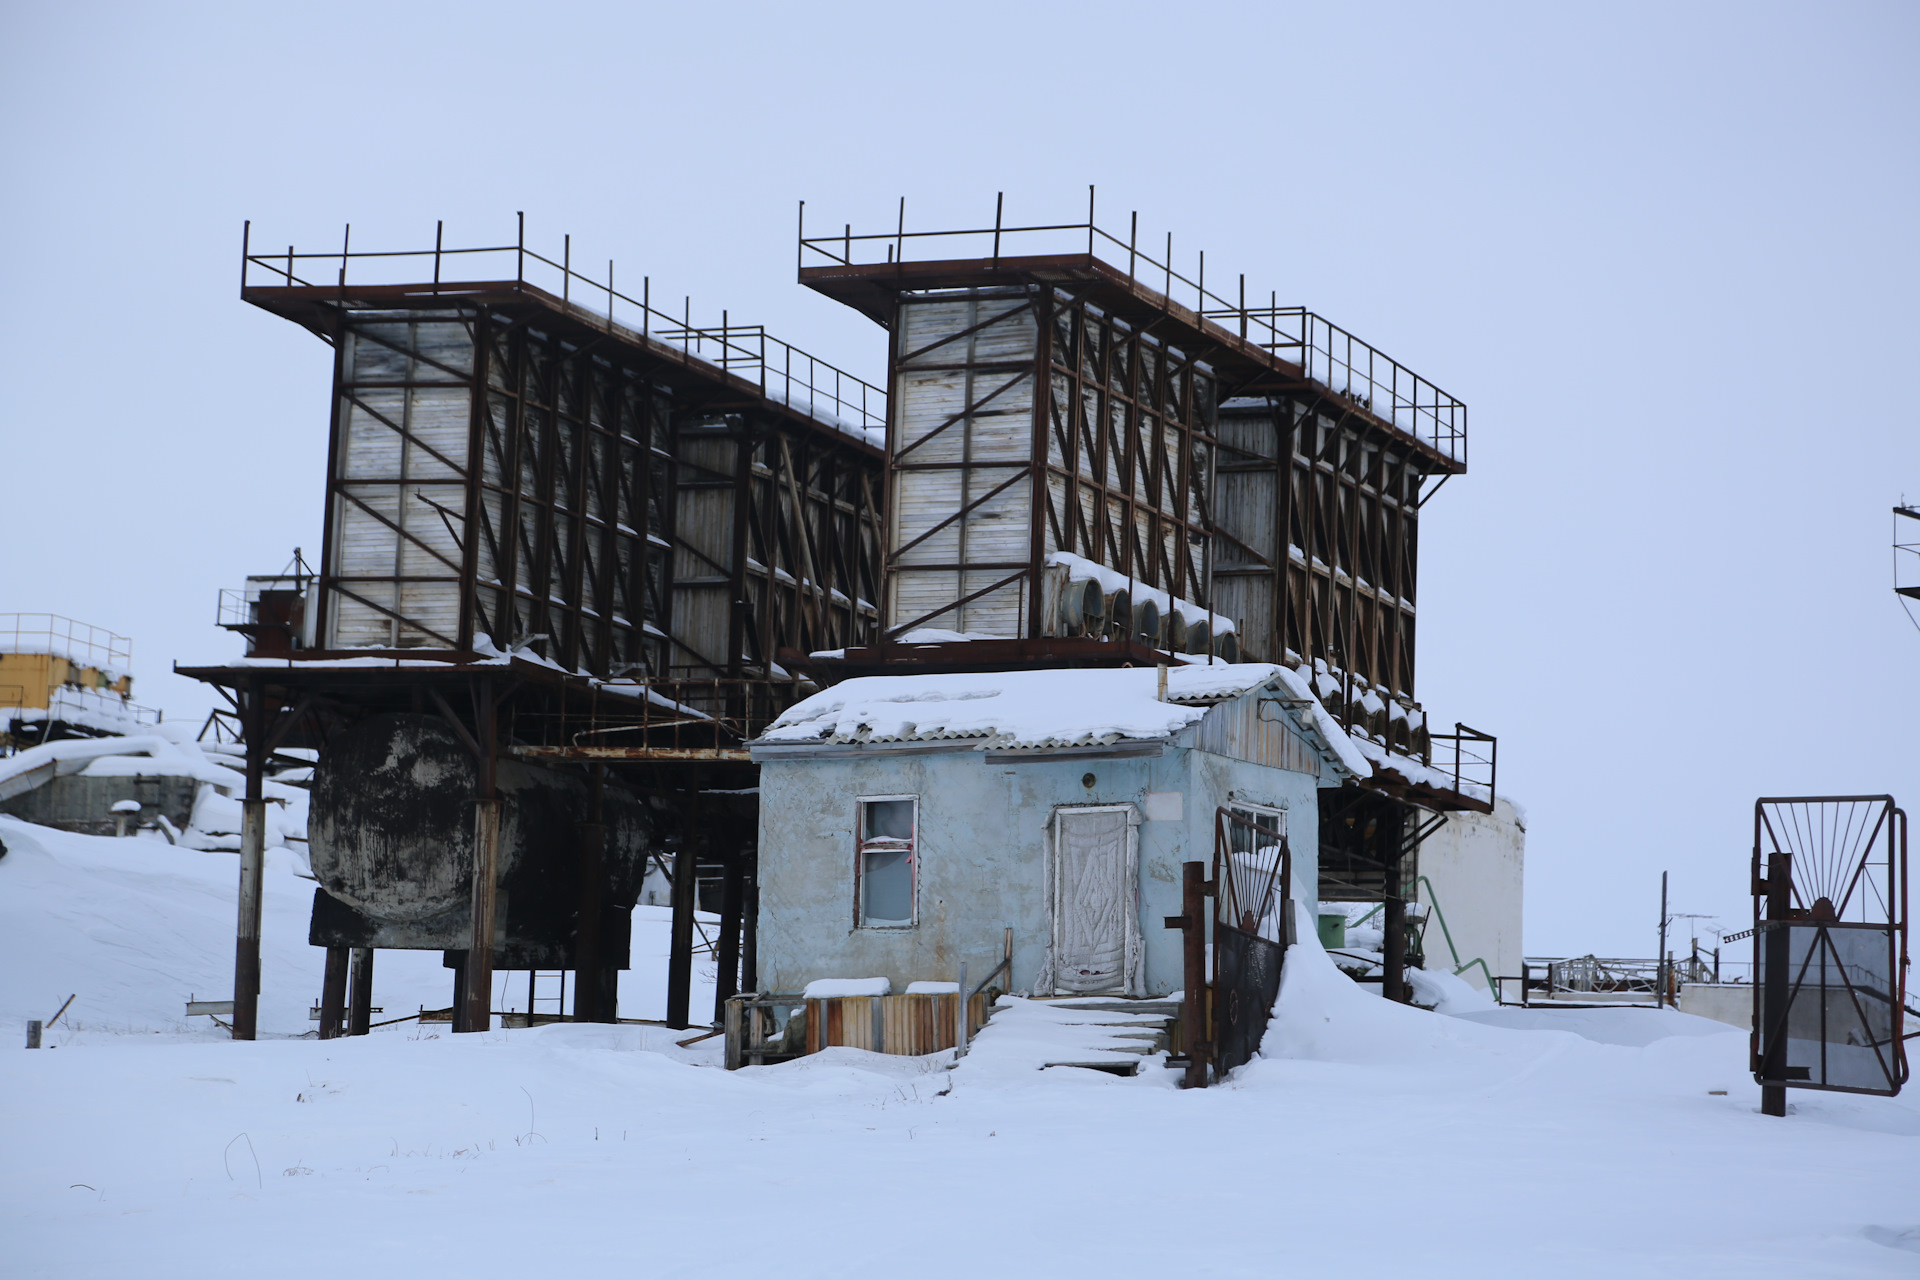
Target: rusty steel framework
614,491
575,531
1318,545
1254,460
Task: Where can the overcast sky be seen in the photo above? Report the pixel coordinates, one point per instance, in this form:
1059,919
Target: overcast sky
1665,253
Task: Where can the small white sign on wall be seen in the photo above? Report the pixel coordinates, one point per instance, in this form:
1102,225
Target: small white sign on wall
1165,806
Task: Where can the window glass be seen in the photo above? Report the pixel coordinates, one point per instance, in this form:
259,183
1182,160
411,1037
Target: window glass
887,885
886,863
889,820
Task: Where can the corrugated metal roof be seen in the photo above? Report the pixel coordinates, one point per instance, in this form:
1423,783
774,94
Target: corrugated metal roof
1037,710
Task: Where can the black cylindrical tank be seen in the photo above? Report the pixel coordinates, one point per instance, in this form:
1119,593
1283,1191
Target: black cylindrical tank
391,843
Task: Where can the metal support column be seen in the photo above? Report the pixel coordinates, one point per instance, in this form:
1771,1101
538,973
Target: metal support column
477,976
727,961
590,1002
1193,907
333,993
360,993
486,867
1393,967
459,1006
1775,944
680,954
253,854
595,994
750,937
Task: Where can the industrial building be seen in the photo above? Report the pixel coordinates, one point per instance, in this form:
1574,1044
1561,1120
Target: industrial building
587,562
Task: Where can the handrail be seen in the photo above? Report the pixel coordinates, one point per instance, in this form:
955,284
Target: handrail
1466,761
1325,352
785,374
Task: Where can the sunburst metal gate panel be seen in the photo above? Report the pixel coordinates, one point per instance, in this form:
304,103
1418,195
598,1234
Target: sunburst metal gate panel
1253,883
1830,950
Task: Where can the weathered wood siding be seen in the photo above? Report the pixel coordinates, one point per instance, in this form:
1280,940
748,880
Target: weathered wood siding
905,1024
1258,731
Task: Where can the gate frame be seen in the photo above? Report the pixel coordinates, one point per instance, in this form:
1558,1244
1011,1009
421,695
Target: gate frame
1778,903
1226,900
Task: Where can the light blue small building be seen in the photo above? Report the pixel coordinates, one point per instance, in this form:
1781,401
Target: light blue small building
907,822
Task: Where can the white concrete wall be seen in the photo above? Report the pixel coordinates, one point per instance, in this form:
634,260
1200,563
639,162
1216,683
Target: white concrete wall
1731,1003
1475,868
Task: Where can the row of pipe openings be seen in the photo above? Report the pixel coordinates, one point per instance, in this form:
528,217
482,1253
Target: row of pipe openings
1086,610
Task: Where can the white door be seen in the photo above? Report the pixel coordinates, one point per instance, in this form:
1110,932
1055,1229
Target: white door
1095,913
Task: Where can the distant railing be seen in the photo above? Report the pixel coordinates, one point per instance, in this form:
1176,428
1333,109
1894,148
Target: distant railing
1610,980
1326,353
240,606
76,641
784,373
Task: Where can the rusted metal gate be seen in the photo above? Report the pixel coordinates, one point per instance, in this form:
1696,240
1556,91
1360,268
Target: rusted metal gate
1253,882
1830,944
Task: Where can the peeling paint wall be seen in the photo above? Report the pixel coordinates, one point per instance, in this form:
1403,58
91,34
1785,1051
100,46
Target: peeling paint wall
983,856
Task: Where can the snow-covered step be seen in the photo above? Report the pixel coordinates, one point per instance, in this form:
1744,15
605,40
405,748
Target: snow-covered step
1101,1034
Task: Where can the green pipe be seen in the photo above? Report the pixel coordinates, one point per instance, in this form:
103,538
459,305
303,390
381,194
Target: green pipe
1433,901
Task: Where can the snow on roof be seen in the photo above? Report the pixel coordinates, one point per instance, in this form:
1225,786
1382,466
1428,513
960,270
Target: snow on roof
1419,774
142,755
1040,709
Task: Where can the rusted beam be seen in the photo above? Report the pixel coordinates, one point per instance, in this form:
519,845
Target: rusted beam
630,753
333,993
680,947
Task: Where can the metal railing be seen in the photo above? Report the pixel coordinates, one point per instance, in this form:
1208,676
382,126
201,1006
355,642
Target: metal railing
63,637
239,606
1470,755
1614,979
1325,352
784,373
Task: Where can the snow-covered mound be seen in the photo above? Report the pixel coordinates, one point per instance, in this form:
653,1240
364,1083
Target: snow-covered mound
134,927
1371,1135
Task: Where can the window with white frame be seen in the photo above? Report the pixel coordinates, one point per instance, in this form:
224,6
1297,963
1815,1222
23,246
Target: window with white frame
887,866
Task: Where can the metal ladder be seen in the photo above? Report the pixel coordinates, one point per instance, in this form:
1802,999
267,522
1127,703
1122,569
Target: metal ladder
558,978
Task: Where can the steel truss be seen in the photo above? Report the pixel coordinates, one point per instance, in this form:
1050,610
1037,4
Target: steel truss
1317,551
512,471
1255,460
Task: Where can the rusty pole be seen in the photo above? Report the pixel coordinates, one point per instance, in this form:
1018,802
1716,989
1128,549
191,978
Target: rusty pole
590,1002
750,936
253,852
680,949
333,993
1193,909
727,978
1775,945
477,988
1393,967
360,993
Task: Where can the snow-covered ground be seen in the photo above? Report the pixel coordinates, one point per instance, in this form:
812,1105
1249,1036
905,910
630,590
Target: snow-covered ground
1376,1138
